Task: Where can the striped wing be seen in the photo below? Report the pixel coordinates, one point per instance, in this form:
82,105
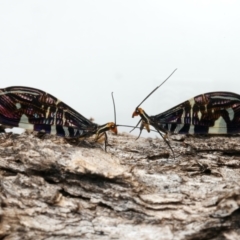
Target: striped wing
208,113
33,109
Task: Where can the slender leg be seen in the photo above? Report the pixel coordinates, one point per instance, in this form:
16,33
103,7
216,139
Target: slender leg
167,142
105,141
139,134
136,125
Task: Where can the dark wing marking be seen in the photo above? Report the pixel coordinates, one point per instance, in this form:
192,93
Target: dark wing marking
34,109
209,113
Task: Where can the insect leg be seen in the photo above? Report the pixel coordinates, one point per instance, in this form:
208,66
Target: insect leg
139,134
136,125
105,140
143,125
166,141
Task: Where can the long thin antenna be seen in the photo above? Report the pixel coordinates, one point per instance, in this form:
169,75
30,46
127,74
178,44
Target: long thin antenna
156,88
132,127
115,119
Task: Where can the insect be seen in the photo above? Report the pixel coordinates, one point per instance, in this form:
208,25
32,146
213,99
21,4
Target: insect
36,110
208,113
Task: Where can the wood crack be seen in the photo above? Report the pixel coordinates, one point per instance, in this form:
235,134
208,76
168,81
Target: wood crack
54,190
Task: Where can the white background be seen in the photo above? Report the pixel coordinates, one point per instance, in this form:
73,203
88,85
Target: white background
82,50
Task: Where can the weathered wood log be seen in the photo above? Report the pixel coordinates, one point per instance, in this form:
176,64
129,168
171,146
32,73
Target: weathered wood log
137,190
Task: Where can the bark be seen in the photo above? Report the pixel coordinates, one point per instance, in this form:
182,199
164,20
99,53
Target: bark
51,189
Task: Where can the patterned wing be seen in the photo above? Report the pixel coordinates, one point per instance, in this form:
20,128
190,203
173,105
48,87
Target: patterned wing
208,113
33,109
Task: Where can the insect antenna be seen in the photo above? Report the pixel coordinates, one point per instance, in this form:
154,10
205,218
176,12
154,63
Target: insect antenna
114,107
156,88
132,127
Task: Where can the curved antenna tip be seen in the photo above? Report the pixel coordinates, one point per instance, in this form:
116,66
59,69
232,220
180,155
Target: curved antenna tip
115,119
156,88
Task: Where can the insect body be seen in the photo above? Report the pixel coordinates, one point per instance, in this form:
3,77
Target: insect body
33,109
208,113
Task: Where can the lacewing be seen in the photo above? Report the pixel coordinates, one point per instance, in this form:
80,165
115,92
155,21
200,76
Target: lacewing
36,110
207,113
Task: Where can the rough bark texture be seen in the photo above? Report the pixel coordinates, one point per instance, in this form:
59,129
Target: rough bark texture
53,190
